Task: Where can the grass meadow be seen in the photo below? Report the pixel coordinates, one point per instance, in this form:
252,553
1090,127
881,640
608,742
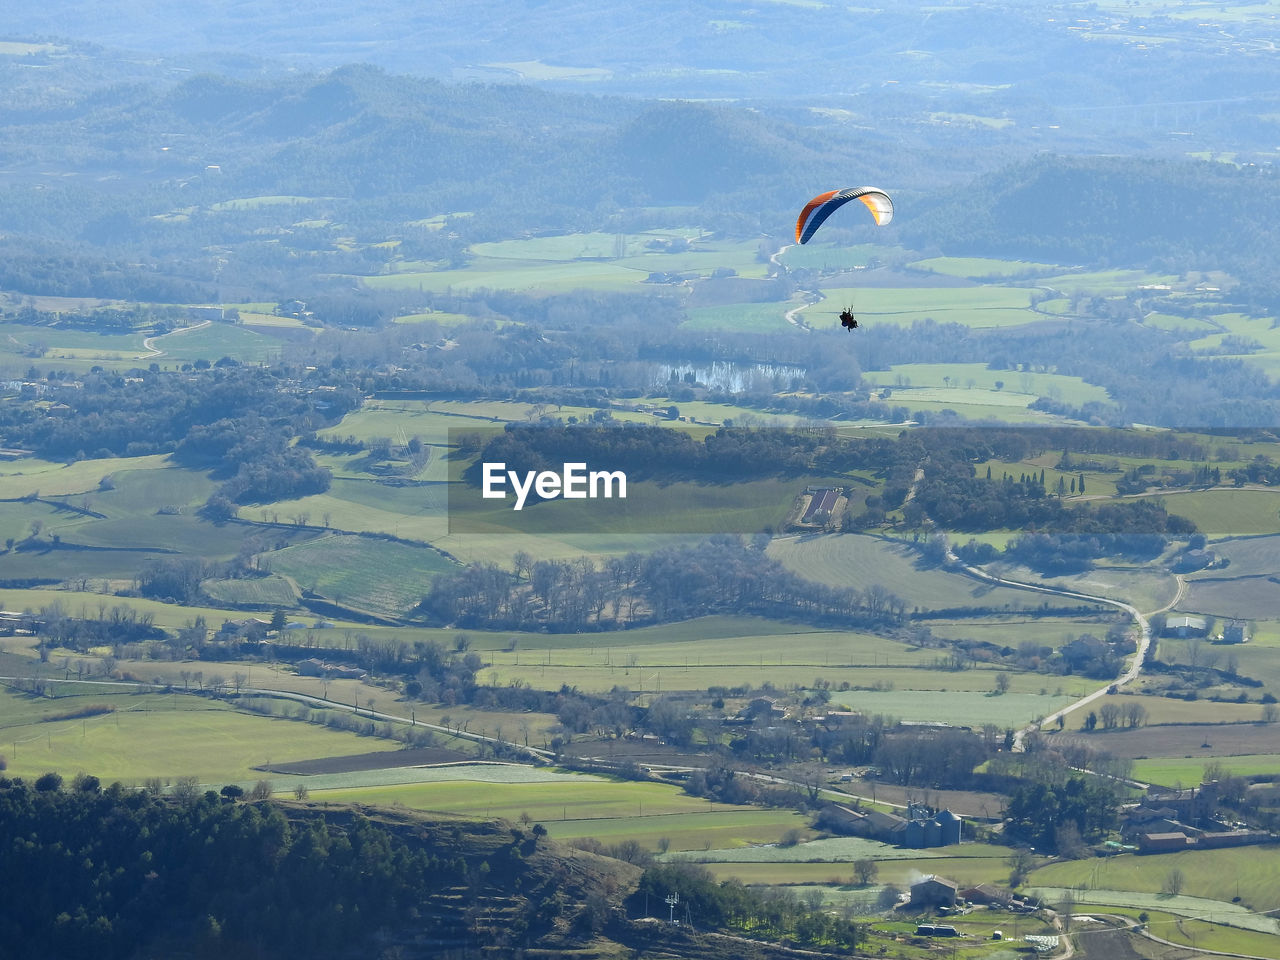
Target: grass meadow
741,317
1208,874
1170,772
588,798
1227,512
979,307
1185,929
271,591
961,378
855,560
20,478
166,736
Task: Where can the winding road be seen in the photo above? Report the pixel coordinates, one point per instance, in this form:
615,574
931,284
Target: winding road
1131,672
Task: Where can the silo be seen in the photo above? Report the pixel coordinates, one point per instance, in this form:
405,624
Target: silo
951,826
913,834
932,833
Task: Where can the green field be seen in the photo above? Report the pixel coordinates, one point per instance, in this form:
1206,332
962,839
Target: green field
520,275
855,560
18,478
1170,772
214,342
1201,934
956,706
720,825
436,316
586,798
73,349
983,268
741,318
1209,874
983,306
1227,512
379,576
845,850
1162,710
1104,282
961,379
264,592
581,806
166,737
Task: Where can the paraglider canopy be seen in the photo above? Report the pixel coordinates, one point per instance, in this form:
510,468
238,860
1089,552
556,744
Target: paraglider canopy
817,210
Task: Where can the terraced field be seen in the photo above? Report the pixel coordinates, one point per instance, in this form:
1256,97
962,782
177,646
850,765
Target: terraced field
378,576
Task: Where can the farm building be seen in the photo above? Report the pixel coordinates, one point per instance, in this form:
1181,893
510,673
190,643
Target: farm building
822,501
1162,842
1236,631
936,930
320,668
923,829
1192,560
1148,818
989,894
1195,807
1233,838
757,707
871,824
933,892
1184,627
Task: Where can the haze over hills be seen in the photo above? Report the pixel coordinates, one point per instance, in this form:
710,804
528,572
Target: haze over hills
1066,71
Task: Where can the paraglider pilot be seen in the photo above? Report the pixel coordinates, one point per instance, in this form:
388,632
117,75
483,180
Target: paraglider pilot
847,318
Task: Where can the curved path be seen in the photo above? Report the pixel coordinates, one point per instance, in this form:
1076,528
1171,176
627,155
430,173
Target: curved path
1135,664
149,343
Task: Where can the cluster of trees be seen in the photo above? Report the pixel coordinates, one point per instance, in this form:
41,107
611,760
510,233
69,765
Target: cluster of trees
721,574
1060,537
1054,804
731,904
648,452
1059,817
103,320
118,624
214,417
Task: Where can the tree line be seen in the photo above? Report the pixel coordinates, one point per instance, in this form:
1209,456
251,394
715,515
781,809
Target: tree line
721,574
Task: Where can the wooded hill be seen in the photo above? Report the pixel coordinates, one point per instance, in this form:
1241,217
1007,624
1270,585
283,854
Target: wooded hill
119,873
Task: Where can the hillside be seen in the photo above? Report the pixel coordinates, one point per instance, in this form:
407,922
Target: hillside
227,875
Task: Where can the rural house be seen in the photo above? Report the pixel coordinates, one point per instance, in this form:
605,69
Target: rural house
933,892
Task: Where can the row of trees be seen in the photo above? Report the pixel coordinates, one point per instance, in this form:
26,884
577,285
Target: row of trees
721,574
